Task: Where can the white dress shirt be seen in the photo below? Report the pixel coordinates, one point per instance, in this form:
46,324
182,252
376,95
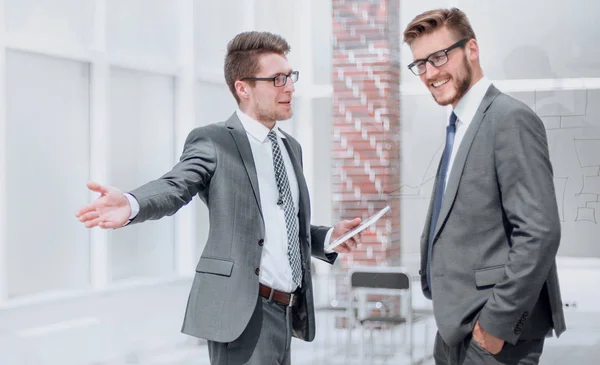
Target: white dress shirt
275,269
465,111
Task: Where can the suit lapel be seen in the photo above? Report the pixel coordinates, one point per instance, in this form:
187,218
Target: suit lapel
241,140
425,234
461,156
302,187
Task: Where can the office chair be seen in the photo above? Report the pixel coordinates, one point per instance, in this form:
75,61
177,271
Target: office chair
380,297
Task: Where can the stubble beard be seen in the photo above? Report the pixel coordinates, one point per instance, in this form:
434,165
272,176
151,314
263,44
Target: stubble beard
271,116
463,82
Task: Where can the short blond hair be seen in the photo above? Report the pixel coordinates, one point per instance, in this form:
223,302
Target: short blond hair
453,19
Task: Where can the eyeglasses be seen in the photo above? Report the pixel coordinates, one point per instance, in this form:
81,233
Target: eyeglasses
437,59
278,81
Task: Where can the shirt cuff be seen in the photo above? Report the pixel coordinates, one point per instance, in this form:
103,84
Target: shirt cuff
135,206
327,239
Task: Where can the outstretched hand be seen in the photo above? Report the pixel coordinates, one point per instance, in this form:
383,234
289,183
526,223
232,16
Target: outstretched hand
342,227
110,210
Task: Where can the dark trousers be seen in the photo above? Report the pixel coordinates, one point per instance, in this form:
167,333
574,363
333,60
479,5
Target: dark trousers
265,341
468,352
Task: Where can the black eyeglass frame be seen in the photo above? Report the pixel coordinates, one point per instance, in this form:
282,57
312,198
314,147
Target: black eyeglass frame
291,75
424,61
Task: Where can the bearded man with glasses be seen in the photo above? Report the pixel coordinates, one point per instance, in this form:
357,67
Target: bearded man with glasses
488,249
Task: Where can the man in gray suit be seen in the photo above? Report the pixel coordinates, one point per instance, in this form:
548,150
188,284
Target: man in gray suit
492,231
252,288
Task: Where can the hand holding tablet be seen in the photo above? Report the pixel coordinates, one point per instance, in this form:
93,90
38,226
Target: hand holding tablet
366,223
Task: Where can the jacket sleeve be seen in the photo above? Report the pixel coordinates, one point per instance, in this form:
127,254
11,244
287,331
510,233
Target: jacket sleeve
317,236
166,195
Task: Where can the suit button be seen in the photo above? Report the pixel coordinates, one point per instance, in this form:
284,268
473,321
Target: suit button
257,271
261,242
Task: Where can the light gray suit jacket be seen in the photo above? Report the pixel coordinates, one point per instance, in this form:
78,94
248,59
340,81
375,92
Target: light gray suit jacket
498,230
217,164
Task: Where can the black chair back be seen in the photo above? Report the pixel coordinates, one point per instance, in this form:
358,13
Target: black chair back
379,280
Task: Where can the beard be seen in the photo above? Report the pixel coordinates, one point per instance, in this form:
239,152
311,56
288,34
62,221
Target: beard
462,83
264,114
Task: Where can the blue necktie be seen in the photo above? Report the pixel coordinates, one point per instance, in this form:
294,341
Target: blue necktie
440,187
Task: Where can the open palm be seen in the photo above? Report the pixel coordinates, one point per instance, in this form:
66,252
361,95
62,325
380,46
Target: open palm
110,210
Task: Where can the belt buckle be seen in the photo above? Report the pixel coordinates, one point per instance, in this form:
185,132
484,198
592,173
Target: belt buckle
291,303
271,292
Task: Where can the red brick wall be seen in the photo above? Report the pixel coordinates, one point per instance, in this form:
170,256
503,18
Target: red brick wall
366,81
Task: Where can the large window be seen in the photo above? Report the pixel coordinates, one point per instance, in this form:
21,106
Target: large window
141,150
91,94
47,166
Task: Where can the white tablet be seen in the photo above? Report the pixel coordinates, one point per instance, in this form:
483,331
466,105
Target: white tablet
364,224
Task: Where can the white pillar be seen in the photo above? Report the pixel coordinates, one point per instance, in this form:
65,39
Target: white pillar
99,124
186,218
304,128
3,177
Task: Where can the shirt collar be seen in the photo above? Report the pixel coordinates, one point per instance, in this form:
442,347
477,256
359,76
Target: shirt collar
467,106
256,129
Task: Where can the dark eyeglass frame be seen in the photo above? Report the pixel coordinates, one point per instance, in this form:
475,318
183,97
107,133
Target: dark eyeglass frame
444,52
294,76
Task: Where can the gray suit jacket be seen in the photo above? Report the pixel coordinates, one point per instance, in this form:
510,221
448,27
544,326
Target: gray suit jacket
498,231
217,164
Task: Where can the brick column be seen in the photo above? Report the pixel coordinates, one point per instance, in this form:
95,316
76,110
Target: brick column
366,162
